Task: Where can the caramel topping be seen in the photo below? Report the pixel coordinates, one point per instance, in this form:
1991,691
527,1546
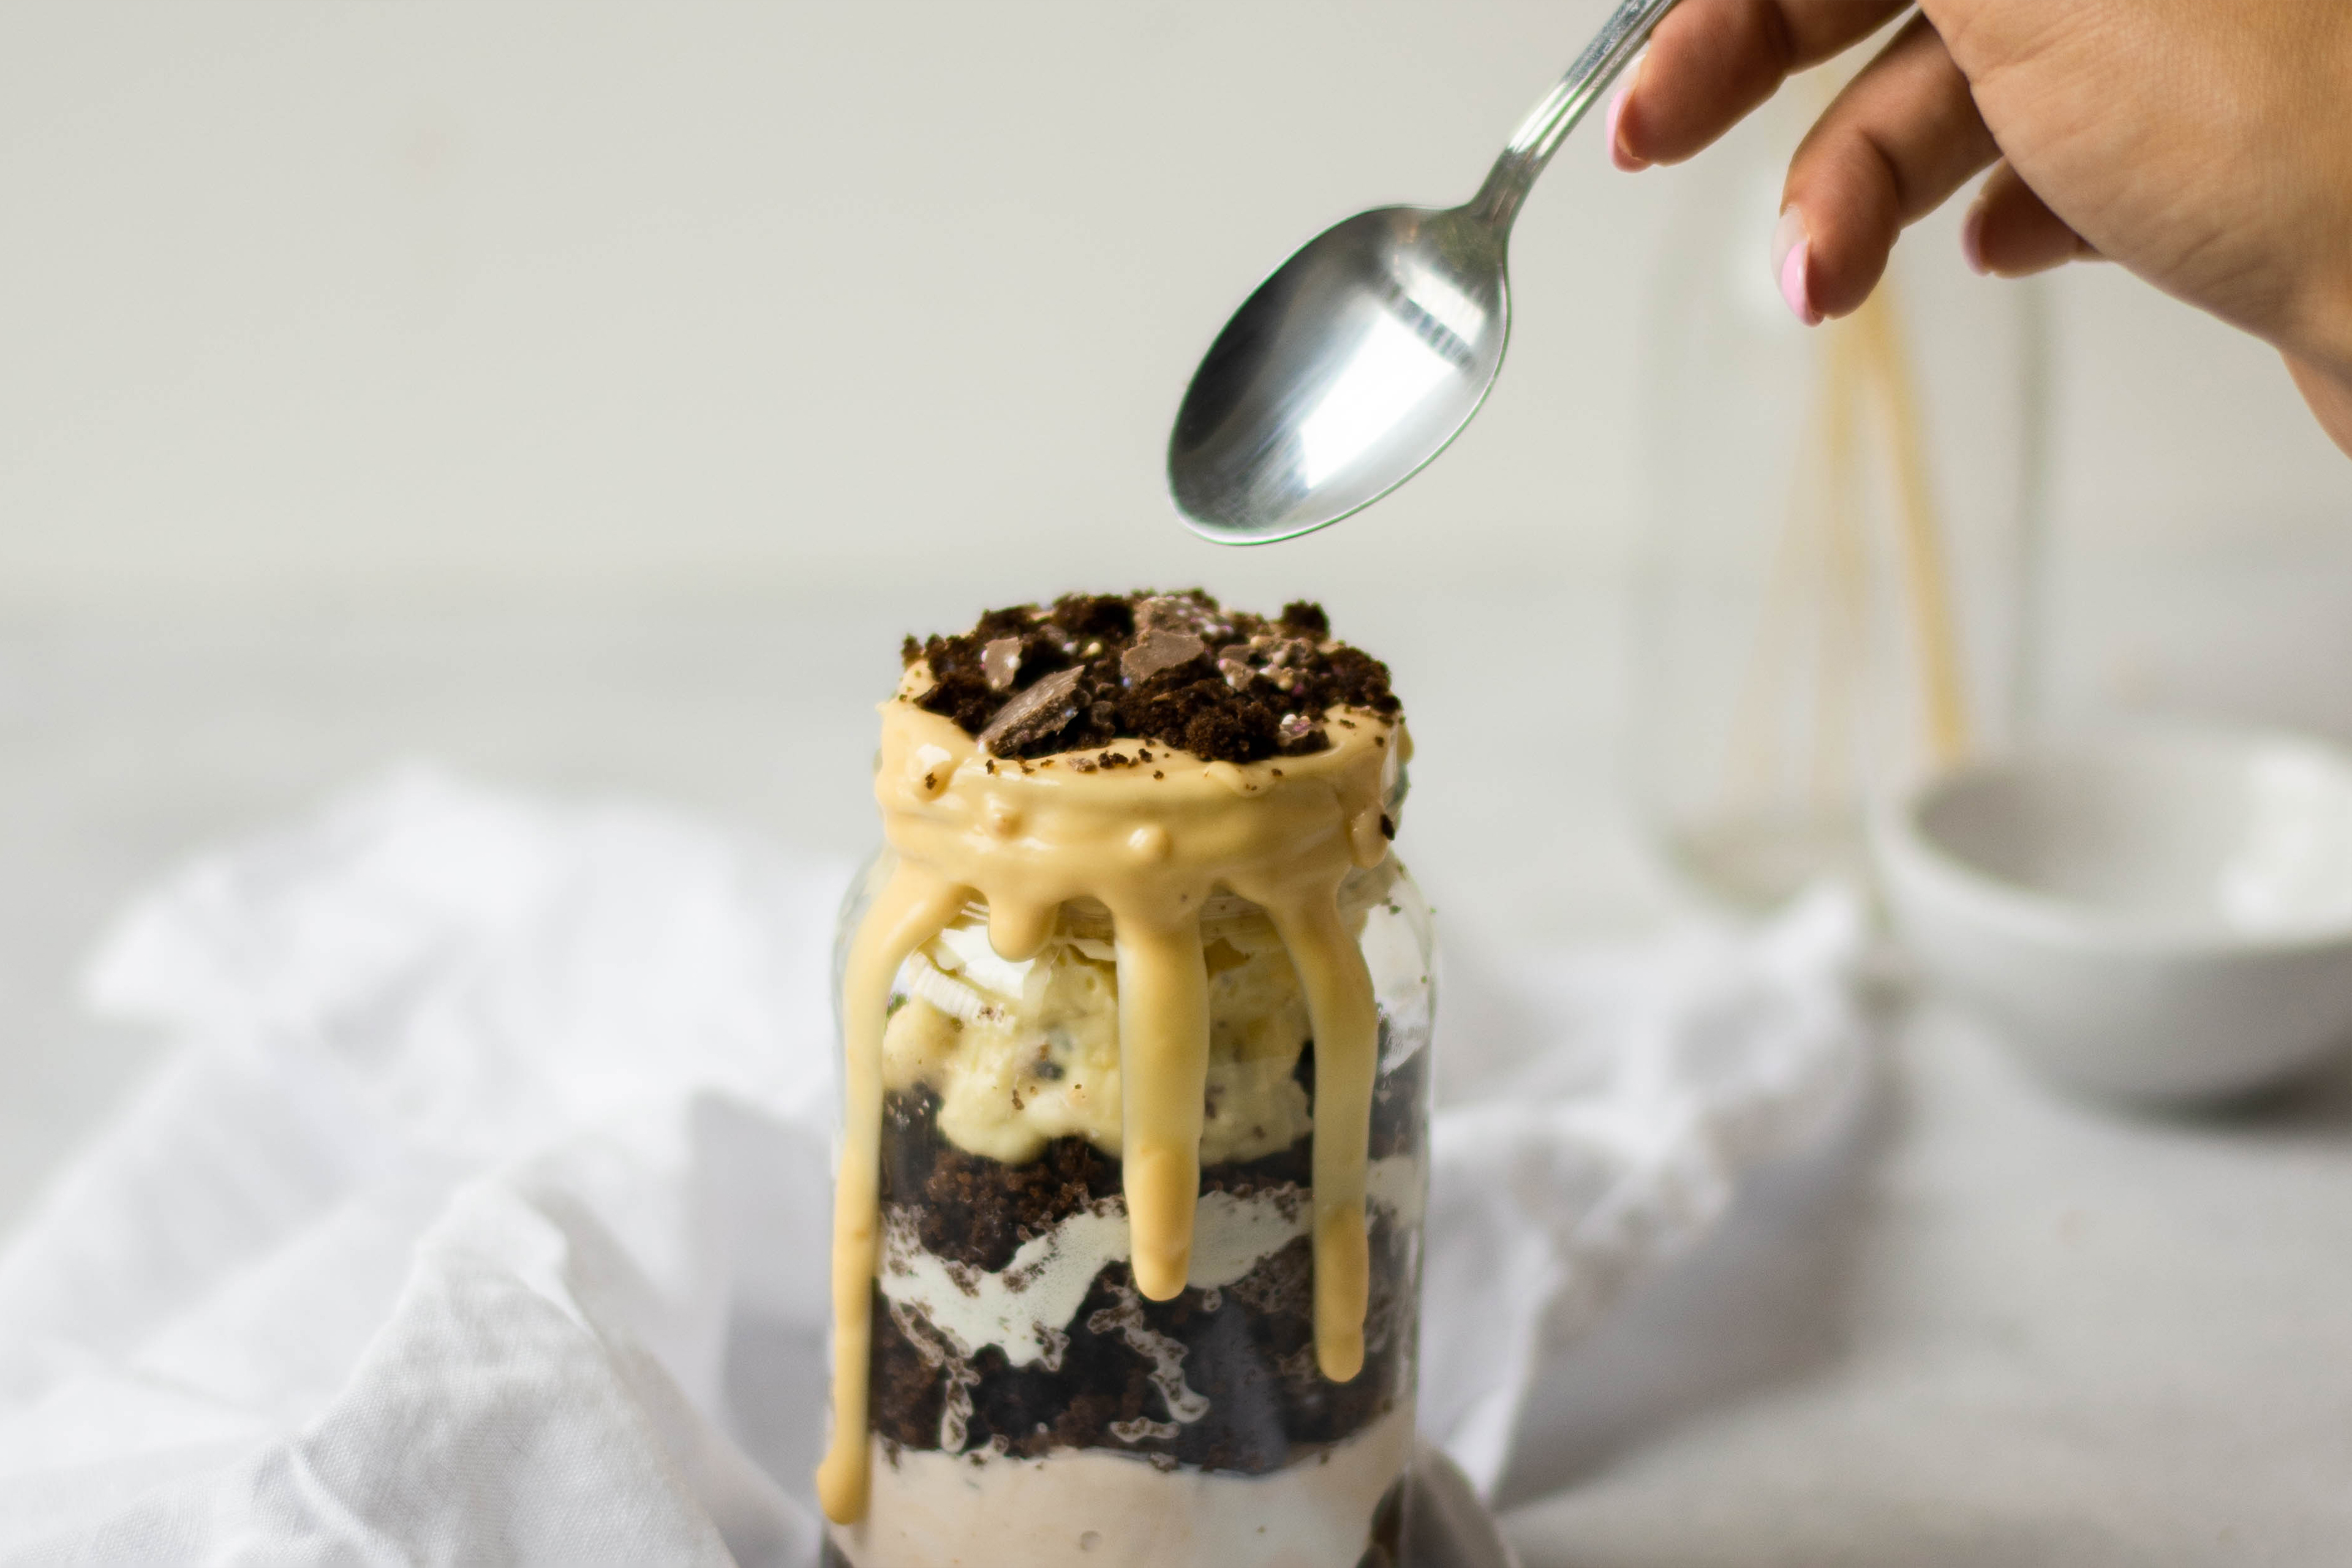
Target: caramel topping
1152,846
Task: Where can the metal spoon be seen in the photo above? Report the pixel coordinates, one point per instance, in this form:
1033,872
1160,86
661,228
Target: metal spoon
1367,351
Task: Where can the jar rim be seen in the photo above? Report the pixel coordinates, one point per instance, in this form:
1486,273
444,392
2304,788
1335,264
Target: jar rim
1363,888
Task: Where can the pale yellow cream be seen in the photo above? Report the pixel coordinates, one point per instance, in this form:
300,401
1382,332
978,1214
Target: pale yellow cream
1020,1054
1152,844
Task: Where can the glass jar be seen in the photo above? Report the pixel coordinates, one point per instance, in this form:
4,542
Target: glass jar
1837,579
1026,1404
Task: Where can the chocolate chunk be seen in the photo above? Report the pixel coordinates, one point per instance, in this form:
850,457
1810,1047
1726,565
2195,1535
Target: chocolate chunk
1305,618
1157,650
1096,617
1302,743
1168,612
1191,611
1037,714
1000,660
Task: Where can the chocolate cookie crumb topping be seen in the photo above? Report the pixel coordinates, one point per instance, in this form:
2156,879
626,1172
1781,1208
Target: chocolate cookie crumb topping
1177,670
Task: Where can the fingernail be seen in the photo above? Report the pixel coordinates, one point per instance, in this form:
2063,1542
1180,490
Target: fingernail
1619,153
1792,260
1972,240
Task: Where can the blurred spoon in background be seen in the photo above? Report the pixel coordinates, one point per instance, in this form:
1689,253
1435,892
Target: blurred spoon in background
1368,350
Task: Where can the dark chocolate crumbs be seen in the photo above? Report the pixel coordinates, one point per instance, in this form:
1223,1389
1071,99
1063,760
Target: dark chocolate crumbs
1304,619
1035,680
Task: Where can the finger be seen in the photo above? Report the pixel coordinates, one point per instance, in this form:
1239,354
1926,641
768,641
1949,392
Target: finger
1711,61
1902,137
2330,396
2011,233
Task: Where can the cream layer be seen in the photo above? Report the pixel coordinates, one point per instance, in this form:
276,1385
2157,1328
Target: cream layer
1025,1307
1093,1507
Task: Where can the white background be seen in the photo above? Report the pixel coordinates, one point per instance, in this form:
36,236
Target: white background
304,304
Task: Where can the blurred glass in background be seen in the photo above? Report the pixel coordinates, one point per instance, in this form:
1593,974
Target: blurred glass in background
1835,586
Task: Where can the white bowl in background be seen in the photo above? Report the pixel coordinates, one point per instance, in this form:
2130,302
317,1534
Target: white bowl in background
2163,916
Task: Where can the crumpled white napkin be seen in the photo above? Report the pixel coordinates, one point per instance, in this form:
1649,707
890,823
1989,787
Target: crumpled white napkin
479,1212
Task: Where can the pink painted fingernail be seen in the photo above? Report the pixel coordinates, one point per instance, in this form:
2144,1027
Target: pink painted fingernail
1792,260
1972,240
1619,153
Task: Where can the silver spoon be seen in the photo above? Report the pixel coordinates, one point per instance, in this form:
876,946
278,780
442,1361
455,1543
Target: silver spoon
1367,351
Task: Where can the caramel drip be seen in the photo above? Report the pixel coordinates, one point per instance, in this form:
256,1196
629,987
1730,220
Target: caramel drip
1150,842
1164,1065
1339,989
914,907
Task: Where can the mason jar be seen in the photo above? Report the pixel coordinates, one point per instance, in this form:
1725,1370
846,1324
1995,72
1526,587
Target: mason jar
1026,1404
1837,579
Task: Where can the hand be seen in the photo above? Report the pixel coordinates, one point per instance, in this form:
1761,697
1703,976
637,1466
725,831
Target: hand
2204,145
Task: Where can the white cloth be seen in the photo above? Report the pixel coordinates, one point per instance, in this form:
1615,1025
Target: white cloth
478,1211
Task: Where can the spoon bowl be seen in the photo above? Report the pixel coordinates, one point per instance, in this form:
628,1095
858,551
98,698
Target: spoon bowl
1343,374
1366,351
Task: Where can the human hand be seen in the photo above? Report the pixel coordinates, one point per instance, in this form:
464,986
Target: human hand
2204,145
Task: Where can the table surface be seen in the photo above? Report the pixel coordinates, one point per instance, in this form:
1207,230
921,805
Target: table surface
1992,1328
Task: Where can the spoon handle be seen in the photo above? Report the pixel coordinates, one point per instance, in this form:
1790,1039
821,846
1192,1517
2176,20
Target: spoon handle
1539,136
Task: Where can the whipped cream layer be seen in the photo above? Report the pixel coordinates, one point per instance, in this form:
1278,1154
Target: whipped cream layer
1024,1308
1094,1508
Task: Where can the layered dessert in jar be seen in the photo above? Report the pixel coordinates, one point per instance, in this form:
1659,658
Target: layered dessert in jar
1136,1013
